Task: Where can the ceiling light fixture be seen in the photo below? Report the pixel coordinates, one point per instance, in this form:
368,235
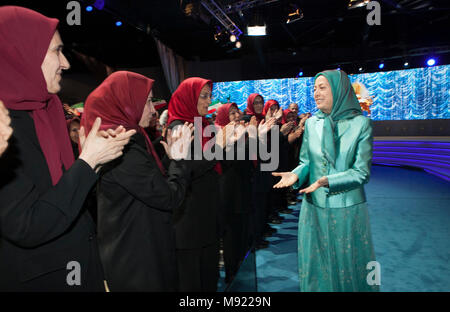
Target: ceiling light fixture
357,3
431,62
256,30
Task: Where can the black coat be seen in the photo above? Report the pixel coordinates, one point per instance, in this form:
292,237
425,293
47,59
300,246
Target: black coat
44,227
196,219
235,207
136,235
235,182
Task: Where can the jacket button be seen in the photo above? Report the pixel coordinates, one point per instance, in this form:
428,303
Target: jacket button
91,237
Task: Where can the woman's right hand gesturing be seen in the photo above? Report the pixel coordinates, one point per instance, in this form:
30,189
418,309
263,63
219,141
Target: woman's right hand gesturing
98,149
287,179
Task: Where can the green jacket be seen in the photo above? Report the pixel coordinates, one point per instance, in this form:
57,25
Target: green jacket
353,161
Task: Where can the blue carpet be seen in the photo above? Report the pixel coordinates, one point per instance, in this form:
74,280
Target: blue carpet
410,222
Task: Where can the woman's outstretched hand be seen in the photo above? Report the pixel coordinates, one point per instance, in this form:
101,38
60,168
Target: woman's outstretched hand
323,181
287,179
98,149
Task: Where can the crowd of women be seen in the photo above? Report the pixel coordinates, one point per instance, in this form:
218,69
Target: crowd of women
134,211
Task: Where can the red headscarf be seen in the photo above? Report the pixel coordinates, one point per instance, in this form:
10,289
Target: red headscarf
120,101
250,109
25,37
223,114
268,105
286,112
183,105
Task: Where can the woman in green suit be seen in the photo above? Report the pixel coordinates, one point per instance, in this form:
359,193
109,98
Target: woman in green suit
334,239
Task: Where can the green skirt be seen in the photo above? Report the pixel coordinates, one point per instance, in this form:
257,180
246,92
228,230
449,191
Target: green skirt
335,248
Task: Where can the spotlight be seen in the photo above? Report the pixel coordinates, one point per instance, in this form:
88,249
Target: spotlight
256,30
89,8
381,66
300,74
357,3
189,9
339,67
294,16
238,44
118,23
431,62
406,64
233,38
218,34
360,69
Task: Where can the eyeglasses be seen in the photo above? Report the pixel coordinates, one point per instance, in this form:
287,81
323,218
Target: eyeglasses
206,95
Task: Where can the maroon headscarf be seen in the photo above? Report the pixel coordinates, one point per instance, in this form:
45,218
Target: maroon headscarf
183,106
250,108
25,37
286,112
120,101
223,114
268,105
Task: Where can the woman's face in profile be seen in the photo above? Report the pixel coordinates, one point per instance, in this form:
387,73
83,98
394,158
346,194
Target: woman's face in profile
149,111
323,95
258,104
204,100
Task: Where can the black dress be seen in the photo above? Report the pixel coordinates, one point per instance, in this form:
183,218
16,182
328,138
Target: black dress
196,228
43,227
135,205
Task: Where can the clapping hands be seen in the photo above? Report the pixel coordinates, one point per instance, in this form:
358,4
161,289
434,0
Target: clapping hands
101,146
5,129
178,141
277,115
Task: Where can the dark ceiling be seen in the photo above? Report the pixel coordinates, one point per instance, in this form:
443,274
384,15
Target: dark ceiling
329,33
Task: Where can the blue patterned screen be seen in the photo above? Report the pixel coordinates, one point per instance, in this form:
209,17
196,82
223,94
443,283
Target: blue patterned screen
420,93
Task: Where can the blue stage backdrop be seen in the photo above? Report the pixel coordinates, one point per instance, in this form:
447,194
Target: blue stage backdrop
420,93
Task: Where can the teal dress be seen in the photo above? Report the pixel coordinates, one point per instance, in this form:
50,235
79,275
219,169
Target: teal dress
334,238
